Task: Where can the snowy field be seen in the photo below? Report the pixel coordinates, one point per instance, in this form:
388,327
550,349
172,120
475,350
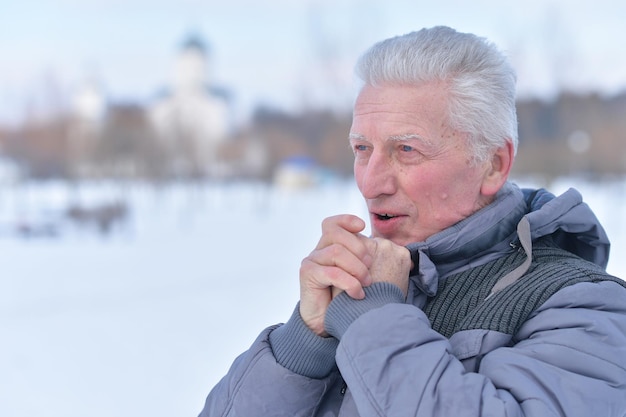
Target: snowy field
145,319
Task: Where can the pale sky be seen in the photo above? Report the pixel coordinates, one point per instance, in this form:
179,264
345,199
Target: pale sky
287,53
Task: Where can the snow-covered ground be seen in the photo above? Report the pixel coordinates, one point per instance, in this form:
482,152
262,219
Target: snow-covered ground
144,320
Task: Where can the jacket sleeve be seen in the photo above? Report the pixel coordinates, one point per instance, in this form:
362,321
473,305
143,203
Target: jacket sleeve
270,379
568,359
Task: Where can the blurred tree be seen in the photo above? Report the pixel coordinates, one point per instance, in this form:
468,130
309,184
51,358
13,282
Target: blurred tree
128,148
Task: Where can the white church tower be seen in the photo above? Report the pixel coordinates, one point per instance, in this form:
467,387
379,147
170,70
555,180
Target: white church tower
191,68
192,119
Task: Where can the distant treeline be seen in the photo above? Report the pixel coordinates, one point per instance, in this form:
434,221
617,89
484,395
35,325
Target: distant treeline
571,134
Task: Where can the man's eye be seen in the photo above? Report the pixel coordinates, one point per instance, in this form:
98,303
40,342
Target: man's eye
406,148
360,148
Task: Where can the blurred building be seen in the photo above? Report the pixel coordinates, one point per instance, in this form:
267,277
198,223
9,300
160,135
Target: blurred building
89,109
89,103
192,118
297,172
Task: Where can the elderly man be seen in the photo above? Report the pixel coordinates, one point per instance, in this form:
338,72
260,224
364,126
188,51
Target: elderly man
471,297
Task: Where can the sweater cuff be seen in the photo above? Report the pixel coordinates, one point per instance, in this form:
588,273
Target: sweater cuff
343,310
298,349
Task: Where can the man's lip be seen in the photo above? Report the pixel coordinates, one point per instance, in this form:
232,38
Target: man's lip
383,213
386,227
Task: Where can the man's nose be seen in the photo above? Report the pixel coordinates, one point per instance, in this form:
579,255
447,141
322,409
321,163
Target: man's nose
378,178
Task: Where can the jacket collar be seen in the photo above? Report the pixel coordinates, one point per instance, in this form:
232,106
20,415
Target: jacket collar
492,232
479,238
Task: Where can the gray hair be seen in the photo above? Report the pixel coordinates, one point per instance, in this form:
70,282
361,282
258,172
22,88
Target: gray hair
479,79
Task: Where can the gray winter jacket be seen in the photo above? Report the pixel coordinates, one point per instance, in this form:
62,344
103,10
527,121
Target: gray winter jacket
510,313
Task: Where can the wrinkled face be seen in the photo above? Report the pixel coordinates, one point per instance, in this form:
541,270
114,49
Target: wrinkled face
412,169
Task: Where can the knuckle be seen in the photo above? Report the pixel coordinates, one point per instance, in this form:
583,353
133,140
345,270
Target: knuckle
335,276
326,222
306,264
334,252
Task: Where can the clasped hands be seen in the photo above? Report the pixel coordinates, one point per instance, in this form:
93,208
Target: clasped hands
346,260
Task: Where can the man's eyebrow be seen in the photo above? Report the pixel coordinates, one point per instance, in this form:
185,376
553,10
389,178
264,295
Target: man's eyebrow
356,136
410,136
359,136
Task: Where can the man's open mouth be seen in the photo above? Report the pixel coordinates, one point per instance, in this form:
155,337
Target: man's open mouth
384,216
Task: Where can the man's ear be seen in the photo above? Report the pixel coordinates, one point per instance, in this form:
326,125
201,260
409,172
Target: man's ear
498,169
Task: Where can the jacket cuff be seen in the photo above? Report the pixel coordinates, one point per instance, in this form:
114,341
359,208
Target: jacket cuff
298,349
343,310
